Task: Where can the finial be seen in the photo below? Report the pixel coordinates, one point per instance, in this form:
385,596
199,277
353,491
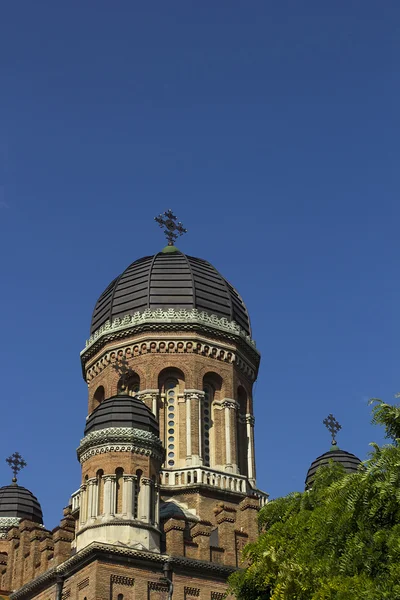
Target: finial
332,426
121,367
172,229
16,462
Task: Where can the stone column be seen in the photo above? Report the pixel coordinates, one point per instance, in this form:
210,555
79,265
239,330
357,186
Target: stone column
109,495
150,398
82,509
230,436
188,430
144,499
128,494
92,498
250,445
194,418
157,506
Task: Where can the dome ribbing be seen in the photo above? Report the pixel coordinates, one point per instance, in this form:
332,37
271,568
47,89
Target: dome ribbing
170,280
122,411
349,461
17,501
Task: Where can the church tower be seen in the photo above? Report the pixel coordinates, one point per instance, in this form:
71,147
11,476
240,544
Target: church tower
168,495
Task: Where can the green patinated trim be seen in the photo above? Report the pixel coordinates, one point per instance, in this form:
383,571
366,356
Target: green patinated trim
169,250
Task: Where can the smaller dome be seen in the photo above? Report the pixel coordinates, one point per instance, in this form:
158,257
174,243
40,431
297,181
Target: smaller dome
17,501
349,461
122,411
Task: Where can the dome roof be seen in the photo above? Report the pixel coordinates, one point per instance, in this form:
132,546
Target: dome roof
17,501
122,411
170,279
349,461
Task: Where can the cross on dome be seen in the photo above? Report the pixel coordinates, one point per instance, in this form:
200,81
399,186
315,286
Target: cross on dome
17,463
172,229
333,426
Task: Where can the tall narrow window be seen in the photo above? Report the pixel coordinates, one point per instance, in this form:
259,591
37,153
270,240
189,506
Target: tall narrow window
118,490
129,385
171,394
242,440
139,474
100,491
207,423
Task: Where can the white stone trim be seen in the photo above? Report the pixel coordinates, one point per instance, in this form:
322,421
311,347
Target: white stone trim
170,315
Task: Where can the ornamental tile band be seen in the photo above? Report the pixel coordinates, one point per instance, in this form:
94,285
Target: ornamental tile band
170,315
120,439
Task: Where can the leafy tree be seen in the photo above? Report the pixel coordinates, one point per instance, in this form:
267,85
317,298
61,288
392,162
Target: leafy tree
338,541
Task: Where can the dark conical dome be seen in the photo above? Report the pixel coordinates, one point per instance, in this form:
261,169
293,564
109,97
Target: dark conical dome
17,501
170,279
349,461
122,411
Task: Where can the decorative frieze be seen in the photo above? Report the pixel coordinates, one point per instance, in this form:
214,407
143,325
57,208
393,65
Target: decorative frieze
120,439
121,580
169,317
191,591
177,346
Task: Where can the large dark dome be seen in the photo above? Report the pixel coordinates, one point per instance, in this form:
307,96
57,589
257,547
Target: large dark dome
17,501
122,411
170,279
349,461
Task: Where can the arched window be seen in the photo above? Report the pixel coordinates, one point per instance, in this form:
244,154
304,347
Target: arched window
139,474
99,396
119,473
100,491
207,422
211,445
120,597
242,441
171,388
129,384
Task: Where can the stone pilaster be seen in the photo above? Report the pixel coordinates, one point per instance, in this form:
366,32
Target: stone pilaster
250,445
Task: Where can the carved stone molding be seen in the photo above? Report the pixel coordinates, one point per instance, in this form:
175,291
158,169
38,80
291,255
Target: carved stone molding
191,591
168,317
120,439
157,586
121,580
6,523
177,346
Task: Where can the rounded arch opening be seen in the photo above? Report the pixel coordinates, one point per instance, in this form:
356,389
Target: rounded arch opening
212,387
129,384
98,396
171,383
242,438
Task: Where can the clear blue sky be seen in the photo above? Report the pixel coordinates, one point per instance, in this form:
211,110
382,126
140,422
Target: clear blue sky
272,130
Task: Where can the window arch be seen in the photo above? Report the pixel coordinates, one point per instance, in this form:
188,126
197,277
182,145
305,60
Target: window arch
100,491
139,474
171,382
129,384
242,440
99,396
119,479
212,385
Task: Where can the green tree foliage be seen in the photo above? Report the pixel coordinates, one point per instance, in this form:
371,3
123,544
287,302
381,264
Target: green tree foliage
338,541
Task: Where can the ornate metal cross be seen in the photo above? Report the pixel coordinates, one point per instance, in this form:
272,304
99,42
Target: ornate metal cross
172,229
332,426
121,367
16,462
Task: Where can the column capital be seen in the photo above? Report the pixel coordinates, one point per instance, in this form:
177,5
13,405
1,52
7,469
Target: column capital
230,403
109,477
250,419
129,477
146,481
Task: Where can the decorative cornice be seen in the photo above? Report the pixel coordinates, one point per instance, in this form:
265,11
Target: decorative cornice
170,316
6,523
210,349
122,580
120,439
71,565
